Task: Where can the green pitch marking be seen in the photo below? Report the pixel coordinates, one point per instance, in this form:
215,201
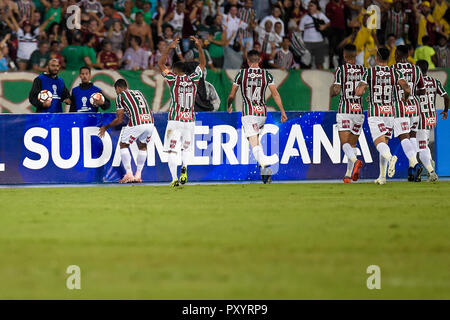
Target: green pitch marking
279,241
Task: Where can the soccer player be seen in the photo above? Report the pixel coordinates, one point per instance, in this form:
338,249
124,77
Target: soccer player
428,116
407,112
382,82
52,82
139,128
180,128
253,83
350,117
81,94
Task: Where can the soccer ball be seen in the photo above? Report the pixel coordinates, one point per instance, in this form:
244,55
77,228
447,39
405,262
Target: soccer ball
97,96
45,95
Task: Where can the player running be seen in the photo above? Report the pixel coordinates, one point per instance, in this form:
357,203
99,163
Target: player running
350,117
428,118
382,81
406,118
254,82
179,134
139,128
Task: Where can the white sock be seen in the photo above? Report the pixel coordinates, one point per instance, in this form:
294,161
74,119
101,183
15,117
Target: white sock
173,159
384,150
126,159
414,143
185,157
425,157
383,167
350,166
355,150
142,156
410,152
258,153
349,152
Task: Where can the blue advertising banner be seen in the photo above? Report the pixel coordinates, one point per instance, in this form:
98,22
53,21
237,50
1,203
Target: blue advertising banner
442,146
65,148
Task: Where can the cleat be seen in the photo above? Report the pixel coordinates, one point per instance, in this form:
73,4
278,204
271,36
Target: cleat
380,181
183,175
410,174
347,180
391,168
175,183
357,170
267,175
128,178
433,177
137,178
418,169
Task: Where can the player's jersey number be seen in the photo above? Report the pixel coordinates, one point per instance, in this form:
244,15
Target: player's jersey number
382,95
253,94
427,103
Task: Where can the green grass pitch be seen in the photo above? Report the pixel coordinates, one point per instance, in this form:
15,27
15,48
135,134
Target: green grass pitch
250,241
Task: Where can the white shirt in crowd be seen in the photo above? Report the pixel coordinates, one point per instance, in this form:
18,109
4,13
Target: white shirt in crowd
310,34
266,38
27,43
232,25
274,20
177,21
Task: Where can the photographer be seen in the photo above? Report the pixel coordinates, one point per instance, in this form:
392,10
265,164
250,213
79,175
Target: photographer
313,24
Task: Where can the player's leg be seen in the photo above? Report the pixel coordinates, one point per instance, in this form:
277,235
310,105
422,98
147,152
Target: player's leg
344,137
173,148
425,153
126,139
357,124
187,139
402,128
142,142
379,130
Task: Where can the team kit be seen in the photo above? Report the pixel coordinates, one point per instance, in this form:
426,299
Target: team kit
401,104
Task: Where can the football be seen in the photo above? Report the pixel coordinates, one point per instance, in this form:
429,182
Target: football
97,96
45,95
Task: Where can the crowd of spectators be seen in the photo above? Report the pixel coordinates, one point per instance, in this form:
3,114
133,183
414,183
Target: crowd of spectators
289,34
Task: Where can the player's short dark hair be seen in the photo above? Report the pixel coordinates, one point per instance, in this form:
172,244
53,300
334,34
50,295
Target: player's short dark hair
425,40
121,83
253,56
402,50
179,66
383,54
86,68
350,48
423,65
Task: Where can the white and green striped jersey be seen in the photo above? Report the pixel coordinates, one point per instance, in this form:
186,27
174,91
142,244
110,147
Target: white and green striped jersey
428,117
135,106
348,77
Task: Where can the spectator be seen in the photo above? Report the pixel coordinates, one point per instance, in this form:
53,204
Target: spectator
4,58
335,11
395,20
36,19
314,41
110,16
247,14
141,30
81,94
192,18
93,29
147,11
232,24
427,24
116,36
40,57
54,33
296,13
90,51
107,58
233,55
274,18
266,38
442,53
284,59
440,7
391,46
217,42
176,17
92,6
278,31
156,56
426,53
55,52
52,82
262,8
193,55
53,9
135,58
25,9
76,55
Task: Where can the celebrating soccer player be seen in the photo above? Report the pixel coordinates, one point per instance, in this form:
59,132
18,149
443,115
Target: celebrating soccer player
253,83
407,112
382,83
139,128
428,118
180,129
350,117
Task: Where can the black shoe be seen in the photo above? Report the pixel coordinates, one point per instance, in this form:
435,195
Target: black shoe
410,174
261,170
267,175
183,175
418,169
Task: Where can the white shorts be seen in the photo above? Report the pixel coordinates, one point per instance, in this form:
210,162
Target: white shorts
423,137
381,126
350,122
405,125
142,132
253,125
179,136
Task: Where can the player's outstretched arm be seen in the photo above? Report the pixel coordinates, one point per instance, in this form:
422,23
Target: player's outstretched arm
231,97
406,89
361,88
201,53
162,61
118,120
334,90
276,96
446,103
